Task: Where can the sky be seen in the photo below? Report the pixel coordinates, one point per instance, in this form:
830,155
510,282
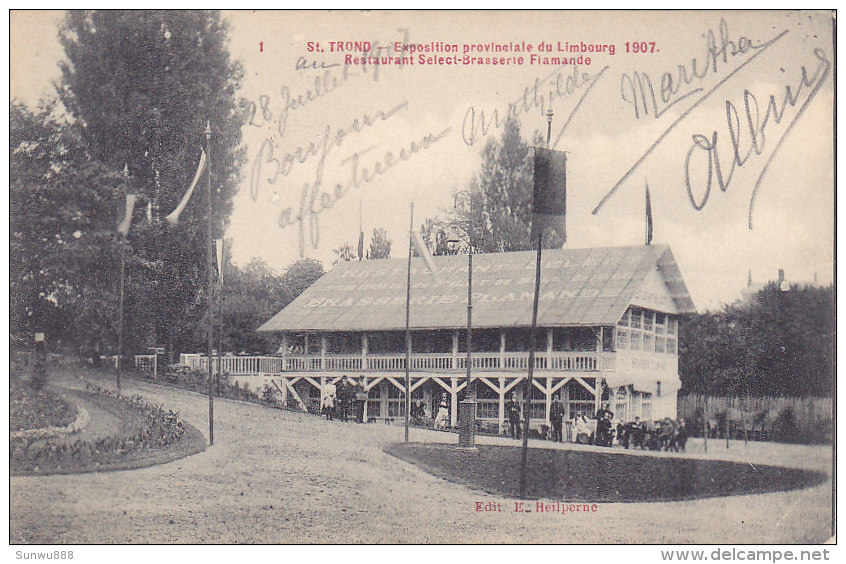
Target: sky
392,135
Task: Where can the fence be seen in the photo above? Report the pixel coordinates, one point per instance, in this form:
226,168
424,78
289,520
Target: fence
806,420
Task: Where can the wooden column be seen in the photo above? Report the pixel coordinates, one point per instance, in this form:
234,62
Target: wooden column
322,390
284,348
548,397
364,351
598,392
502,348
501,405
323,352
549,348
364,385
453,404
455,349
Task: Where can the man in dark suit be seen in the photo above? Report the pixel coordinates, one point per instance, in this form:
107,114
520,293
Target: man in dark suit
556,416
512,412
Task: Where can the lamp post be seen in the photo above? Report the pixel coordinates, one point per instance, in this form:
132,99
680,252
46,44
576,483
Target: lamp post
467,413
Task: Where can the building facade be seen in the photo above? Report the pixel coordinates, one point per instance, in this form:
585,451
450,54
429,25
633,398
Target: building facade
608,326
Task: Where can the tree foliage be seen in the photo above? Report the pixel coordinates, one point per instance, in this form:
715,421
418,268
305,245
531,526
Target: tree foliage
252,294
780,344
137,88
494,212
380,245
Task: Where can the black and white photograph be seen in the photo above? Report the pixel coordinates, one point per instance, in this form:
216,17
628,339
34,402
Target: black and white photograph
430,277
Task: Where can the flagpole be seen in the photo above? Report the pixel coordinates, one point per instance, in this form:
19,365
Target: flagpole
210,266
120,309
532,345
408,326
122,243
219,317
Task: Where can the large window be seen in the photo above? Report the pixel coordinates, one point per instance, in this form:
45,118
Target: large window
648,331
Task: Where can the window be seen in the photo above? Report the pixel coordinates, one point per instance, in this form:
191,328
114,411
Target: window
622,339
637,341
660,344
624,321
636,317
672,327
648,342
660,324
648,320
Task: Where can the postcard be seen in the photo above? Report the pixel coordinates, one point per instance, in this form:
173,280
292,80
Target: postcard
422,277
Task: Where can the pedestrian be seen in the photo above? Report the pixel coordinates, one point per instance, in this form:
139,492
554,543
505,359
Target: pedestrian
342,395
360,398
442,419
329,398
512,411
556,417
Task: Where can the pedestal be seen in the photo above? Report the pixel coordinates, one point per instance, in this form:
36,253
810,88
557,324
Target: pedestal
467,423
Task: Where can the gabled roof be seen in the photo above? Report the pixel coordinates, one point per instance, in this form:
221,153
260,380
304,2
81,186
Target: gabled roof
578,287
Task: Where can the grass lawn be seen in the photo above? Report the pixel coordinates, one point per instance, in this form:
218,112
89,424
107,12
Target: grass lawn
597,476
31,409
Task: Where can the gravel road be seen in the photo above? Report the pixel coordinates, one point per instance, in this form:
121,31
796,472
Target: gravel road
281,477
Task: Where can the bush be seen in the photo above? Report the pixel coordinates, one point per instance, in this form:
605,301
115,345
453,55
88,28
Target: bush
785,425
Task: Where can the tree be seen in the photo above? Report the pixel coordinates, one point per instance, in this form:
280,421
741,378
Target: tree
345,253
380,245
494,213
141,86
780,344
299,276
64,252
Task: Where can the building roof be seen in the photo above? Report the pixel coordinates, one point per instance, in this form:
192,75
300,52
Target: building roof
578,287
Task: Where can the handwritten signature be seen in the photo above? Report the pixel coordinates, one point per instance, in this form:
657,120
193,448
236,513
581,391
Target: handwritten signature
639,91
477,124
756,128
716,53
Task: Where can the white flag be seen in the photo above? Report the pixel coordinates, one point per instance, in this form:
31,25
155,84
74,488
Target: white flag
123,226
173,218
423,250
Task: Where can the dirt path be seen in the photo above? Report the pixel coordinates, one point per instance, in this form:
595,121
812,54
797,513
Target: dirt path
280,477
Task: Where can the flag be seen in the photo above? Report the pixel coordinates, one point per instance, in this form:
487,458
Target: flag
648,217
549,209
173,218
218,246
123,226
360,244
423,250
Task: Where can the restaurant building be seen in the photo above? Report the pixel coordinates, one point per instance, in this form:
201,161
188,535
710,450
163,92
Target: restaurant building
608,326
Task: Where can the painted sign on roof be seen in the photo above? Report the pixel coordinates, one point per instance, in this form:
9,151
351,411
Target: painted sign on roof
578,287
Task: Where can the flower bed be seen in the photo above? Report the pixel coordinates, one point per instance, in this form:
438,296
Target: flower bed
161,429
31,409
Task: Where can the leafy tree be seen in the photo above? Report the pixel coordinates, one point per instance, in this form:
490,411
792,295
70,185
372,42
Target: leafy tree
300,276
141,85
380,245
64,253
780,344
494,213
345,253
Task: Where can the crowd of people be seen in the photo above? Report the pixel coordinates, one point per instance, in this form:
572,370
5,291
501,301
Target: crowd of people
344,400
